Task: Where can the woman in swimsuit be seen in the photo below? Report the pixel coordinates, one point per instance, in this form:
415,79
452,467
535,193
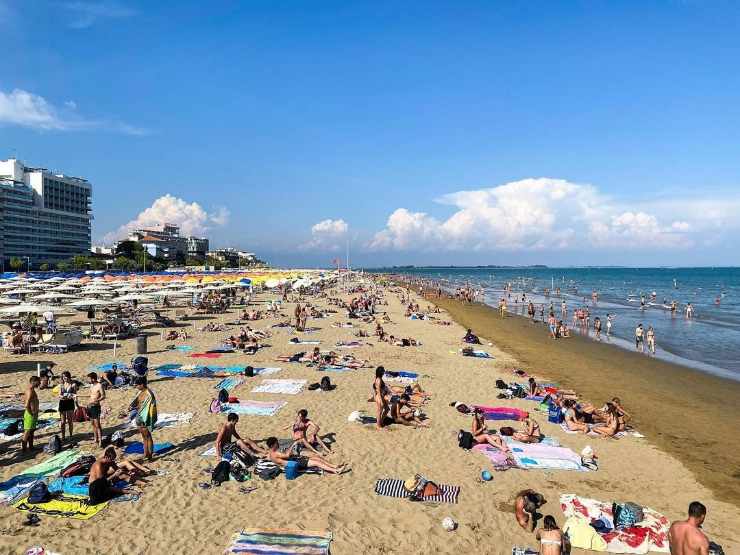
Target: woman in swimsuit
612,422
531,432
66,407
380,394
482,435
551,538
306,433
571,421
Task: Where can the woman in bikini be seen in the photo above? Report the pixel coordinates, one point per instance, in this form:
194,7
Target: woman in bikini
380,395
571,421
306,433
531,432
551,537
481,433
612,422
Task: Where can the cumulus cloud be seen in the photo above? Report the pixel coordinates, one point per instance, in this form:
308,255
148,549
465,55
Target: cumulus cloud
327,235
86,14
545,213
25,109
191,217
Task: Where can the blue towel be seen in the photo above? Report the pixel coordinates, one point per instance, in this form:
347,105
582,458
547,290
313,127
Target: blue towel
137,448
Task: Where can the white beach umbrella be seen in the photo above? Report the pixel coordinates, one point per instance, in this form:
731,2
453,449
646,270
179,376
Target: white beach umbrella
84,303
38,308
5,300
133,297
20,291
53,295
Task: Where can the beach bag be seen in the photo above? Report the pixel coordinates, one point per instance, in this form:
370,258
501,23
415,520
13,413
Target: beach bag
223,396
54,446
249,372
246,459
518,391
238,471
140,365
106,440
39,493
626,515
80,467
117,439
715,549
465,440
462,408
267,470
325,384
501,384
221,473
554,414
14,428
80,415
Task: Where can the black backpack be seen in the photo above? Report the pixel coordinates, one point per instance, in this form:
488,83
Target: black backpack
221,473
325,384
39,493
14,428
500,384
465,440
238,471
249,372
140,364
246,459
223,396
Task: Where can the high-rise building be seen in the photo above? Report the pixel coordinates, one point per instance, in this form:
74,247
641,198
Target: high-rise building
44,216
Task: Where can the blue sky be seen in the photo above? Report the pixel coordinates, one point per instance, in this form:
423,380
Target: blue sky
546,132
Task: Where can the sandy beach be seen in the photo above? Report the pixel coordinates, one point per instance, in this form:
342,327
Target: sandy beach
690,451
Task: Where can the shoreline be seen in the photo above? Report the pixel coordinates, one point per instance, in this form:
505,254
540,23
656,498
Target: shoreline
684,412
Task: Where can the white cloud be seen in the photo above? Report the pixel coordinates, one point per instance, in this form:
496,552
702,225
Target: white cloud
25,109
86,14
327,235
191,217
545,213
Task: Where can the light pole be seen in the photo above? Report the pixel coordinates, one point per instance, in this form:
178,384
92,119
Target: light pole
28,263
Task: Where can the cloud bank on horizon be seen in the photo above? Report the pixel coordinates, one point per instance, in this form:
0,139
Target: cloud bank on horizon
327,235
539,214
191,217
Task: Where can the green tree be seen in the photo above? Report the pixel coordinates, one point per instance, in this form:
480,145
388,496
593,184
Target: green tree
16,263
123,263
79,262
63,266
44,267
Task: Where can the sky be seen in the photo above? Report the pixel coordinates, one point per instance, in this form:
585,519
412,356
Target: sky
540,132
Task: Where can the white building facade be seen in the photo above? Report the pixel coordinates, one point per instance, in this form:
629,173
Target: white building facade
45,217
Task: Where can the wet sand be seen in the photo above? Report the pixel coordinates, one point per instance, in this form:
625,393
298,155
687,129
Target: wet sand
689,414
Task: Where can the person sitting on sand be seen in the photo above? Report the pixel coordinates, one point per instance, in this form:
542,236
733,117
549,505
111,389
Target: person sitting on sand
380,395
481,434
470,337
571,420
609,429
281,459
227,433
622,415
525,508
531,432
685,537
402,413
104,472
551,538
306,433
535,390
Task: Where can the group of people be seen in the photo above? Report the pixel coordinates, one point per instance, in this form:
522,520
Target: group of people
393,404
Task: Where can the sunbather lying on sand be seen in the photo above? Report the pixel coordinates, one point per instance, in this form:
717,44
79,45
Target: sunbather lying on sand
227,432
281,459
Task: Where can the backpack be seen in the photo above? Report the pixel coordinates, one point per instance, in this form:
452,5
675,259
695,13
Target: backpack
267,470
14,428
238,471
223,396
465,440
78,468
221,473
500,384
117,439
39,493
106,440
325,384
626,515
80,415
518,391
249,372
246,459
54,446
140,365
462,408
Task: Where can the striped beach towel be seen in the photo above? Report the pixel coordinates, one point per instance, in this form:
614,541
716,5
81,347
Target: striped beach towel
281,542
392,487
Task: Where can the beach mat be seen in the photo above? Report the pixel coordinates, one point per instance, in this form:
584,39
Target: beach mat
281,542
167,420
254,408
478,354
280,386
137,448
53,465
535,456
392,487
65,506
498,459
17,486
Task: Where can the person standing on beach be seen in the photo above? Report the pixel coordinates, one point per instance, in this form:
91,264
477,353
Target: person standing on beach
639,338
30,414
608,326
97,394
597,328
145,407
685,537
689,311
651,340
563,310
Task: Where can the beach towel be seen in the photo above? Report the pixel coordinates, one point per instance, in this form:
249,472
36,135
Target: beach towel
146,411
40,425
296,341
649,535
261,371
545,457
499,459
68,506
205,355
198,372
336,368
230,383
137,448
183,348
106,366
254,408
77,485
391,487
502,413
478,354
221,349
281,542
167,420
53,465
15,487
286,387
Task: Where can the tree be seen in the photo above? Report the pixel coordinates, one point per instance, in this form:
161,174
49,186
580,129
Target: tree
79,262
63,266
16,263
44,267
123,263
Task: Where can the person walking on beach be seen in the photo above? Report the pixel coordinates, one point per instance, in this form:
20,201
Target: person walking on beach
685,537
30,414
97,394
639,338
689,311
651,340
563,310
608,326
597,328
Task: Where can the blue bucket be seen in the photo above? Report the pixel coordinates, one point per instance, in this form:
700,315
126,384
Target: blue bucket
291,470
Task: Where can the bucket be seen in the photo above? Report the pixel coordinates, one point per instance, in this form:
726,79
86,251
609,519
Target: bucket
291,470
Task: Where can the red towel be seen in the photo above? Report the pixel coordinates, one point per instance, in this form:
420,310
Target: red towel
205,355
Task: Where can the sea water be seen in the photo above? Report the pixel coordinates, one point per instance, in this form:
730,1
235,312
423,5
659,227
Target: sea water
710,341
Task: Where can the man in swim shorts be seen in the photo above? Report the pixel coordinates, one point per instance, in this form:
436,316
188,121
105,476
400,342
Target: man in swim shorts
685,537
638,338
30,413
281,459
97,394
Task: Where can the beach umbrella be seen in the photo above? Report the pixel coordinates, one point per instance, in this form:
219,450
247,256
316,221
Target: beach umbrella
20,291
5,300
51,296
84,303
37,308
133,297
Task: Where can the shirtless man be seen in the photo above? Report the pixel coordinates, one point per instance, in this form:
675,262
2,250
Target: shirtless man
105,471
97,394
281,459
639,345
401,412
30,414
227,431
685,537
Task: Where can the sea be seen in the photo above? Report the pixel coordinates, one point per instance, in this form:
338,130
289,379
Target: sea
709,341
